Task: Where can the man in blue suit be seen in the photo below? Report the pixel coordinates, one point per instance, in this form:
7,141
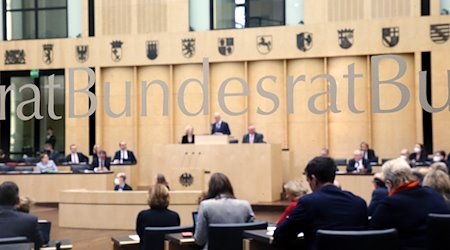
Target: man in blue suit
220,127
14,223
327,207
379,193
252,136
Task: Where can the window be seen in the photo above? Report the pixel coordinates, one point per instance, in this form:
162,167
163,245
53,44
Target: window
27,137
245,13
445,7
35,19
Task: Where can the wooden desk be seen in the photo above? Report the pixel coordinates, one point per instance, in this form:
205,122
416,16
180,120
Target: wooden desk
125,243
117,210
46,188
259,240
358,184
255,170
177,242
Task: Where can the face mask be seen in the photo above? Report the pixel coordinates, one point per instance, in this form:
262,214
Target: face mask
404,157
417,150
436,158
116,181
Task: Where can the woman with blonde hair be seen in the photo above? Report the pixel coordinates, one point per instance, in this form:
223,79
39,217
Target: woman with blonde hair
294,190
439,181
158,215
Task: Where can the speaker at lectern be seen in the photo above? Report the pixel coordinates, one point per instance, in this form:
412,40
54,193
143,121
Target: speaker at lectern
211,139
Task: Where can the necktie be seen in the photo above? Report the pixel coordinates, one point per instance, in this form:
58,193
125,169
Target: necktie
74,158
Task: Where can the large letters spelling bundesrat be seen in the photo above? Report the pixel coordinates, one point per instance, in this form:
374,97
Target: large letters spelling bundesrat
330,93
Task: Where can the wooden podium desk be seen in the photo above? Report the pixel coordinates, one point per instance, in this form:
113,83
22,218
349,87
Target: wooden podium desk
117,210
45,187
255,170
358,184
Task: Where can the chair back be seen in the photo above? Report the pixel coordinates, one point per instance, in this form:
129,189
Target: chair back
45,227
340,162
438,228
229,236
154,236
15,243
356,240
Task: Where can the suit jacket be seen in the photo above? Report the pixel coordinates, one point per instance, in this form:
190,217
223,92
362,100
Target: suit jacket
326,208
51,139
220,210
81,158
407,211
14,224
351,166
131,158
95,163
156,218
184,140
126,187
224,128
259,138
371,157
377,196
422,158
54,155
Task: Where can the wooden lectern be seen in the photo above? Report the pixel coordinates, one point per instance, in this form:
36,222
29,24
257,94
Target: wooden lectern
211,139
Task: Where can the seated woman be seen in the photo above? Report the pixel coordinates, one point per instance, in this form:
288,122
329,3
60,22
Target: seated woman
419,155
46,165
439,180
294,190
189,137
158,215
220,206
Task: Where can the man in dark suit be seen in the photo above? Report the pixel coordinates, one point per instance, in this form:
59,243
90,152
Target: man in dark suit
219,126
327,207
379,193
102,163
50,138
14,223
358,164
76,157
121,184
252,136
52,153
407,206
367,153
124,155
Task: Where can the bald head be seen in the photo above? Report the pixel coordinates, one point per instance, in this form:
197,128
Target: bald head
251,129
217,117
123,145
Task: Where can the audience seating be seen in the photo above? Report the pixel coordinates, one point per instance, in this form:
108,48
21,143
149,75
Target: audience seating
356,240
15,243
229,236
154,236
438,231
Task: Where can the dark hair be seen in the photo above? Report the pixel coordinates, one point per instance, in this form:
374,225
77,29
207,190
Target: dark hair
442,153
219,185
379,182
101,152
323,168
42,156
9,193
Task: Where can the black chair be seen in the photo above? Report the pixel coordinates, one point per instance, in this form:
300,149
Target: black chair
45,227
154,236
79,168
384,160
15,243
6,168
356,240
341,162
438,228
229,236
